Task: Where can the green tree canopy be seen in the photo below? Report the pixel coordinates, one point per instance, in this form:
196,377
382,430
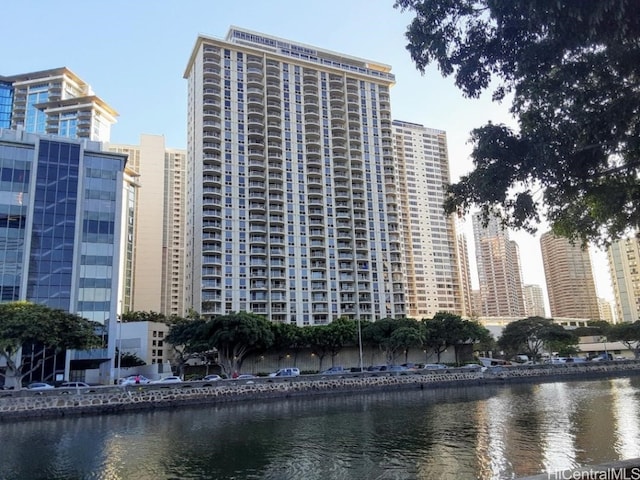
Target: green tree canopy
573,69
188,339
236,335
381,334
442,331
142,316
50,329
628,334
531,335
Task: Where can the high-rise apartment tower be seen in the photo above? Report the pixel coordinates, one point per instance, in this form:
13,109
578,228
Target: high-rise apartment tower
624,266
292,206
534,301
498,269
54,102
570,285
155,261
430,249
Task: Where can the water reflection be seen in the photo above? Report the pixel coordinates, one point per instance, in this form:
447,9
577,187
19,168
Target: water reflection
485,432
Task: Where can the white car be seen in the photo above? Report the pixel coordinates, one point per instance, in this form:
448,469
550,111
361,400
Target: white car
286,372
40,386
170,379
134,380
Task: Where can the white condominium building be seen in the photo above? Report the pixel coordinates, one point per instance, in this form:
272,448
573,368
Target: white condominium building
433,278
624,266
292,206
153,273
534,301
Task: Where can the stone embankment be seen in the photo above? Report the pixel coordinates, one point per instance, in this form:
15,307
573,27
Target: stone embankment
104,399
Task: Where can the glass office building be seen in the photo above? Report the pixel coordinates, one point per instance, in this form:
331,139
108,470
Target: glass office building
6,103
60,211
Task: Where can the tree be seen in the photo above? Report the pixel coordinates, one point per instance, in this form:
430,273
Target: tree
404,338
628,334
530,335
50,330
127,359
572,69
236,335
330,339
188,339
380,334
142,316
287,338
442,331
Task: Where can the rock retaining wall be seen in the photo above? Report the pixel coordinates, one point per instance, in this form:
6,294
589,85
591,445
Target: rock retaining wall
60,402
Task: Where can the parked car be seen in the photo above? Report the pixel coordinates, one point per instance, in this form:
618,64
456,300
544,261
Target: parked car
169,379
245,376
333,371
74,385
397,368
134,380
378,368
434,366
286,372
212,378
40,386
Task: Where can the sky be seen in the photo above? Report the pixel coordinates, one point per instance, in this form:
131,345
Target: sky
134,54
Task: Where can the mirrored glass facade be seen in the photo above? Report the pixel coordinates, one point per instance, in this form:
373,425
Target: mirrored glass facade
6,104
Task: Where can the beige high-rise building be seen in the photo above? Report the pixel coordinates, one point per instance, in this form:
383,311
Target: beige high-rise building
570,285
499,273
292,205
464,267
155,257
430,250
534,301
606,312
624,266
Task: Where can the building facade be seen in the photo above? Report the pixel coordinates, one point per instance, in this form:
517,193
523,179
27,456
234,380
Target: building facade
292,204
464,268
429,236
624,266
60,208
54,102
534,301
499,273
570,285
155,258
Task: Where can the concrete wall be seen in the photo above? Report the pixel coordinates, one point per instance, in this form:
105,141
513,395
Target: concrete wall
24,403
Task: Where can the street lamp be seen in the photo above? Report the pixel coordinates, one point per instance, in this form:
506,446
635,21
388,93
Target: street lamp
119,349
360,341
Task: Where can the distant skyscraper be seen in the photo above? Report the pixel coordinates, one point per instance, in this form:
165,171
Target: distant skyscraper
624,266
291,183
569,277
465,277
430,250
498,270
60,213
54,102
534,301
606,313
157,257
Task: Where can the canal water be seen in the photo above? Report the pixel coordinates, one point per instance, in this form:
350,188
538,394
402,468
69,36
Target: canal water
483,432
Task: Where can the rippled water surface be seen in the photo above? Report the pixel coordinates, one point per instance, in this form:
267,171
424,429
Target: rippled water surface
471,433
